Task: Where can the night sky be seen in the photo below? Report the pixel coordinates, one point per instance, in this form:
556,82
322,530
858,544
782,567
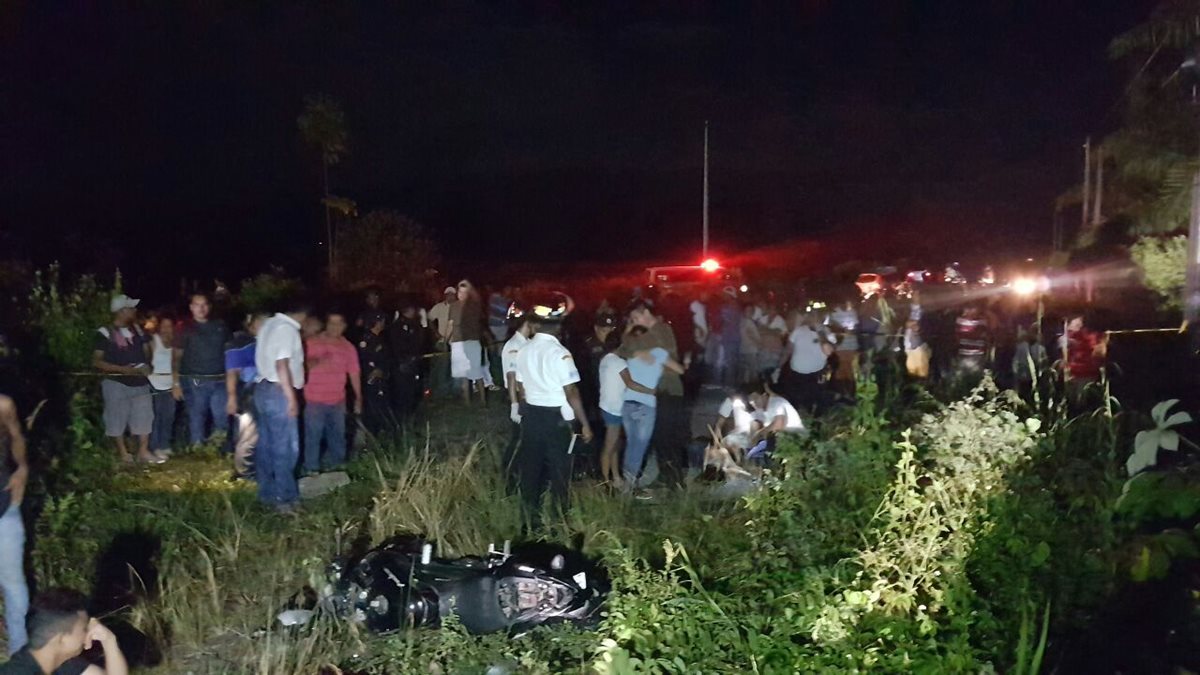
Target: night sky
162,136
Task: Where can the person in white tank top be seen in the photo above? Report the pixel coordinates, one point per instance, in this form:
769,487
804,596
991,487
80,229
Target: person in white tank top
162,433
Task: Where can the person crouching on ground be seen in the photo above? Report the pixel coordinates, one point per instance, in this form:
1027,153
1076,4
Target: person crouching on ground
548,377
59,632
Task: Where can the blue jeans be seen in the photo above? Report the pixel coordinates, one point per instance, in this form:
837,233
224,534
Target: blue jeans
278,447
638,420
202,397
12,577
163,431
328,422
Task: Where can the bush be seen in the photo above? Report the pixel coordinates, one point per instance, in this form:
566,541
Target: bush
1163,262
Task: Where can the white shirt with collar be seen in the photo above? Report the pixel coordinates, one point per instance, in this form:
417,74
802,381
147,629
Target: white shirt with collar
778,406
279,338
508,357
543,368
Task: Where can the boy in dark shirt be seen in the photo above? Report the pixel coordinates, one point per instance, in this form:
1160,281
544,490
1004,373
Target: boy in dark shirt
59,631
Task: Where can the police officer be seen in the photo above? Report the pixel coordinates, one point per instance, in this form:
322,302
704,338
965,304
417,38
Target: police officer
407,339
548,376
375,363
522,331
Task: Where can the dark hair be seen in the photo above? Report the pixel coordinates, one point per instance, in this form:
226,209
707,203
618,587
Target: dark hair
202,294
612,343
637,305
336,311
639,330
54,612
294,304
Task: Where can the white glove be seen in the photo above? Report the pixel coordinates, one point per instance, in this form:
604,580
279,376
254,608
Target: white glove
775,375
514,413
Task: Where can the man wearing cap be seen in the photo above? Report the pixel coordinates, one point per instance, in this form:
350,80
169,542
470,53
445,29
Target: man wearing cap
439,319
522,330
122,352
547,374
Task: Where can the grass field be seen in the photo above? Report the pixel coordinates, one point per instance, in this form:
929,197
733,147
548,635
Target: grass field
905,535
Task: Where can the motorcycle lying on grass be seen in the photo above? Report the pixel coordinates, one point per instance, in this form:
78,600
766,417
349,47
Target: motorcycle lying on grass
399,584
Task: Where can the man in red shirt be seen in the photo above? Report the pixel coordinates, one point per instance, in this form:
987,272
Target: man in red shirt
1083,357
331,360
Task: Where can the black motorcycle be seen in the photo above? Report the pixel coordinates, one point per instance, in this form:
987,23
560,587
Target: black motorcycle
400,584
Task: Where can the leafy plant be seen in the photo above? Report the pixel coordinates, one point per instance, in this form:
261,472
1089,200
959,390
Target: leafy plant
1163,436
67,318
1163,263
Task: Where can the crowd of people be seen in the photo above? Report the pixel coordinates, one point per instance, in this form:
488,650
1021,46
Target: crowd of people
291,391
293,385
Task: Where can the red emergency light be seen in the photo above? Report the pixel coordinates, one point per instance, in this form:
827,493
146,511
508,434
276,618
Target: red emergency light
711,265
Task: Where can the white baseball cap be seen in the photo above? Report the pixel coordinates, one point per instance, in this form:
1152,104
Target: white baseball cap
449,290
121,302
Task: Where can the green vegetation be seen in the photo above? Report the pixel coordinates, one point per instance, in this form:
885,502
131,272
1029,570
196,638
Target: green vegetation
1163,263
967,537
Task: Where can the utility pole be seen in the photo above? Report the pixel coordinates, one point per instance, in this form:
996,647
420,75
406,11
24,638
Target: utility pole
705,248
1087,184
1097,218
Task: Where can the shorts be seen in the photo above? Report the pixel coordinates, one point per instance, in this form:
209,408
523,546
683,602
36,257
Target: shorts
127,408
466,360
610,420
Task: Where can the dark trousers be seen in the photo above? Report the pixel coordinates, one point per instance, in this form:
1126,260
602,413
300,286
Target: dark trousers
804,390
376,407
163,431
671,435
508,462
406,390
544,461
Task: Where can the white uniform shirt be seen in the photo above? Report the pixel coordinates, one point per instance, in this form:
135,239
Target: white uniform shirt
807,354
734,408
543,368
279,338
508,357
776,406
612,385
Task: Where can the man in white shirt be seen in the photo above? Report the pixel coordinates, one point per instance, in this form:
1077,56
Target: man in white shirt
279,359
439,319
803,360
508,364
735,421
775,414
548,377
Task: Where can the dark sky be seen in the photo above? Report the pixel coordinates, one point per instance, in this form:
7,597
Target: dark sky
162,135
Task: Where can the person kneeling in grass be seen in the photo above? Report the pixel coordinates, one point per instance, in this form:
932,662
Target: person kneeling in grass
59,631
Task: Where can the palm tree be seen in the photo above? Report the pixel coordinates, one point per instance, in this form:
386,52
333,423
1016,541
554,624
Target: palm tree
323,126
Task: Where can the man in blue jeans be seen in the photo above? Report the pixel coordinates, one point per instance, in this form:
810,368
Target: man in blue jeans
279,359
200,369
12,528
640,408
332,361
